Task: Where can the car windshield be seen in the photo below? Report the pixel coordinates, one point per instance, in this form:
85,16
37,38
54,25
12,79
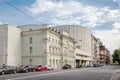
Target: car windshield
24,66
40,66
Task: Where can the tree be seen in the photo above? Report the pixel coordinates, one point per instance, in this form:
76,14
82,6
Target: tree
116,56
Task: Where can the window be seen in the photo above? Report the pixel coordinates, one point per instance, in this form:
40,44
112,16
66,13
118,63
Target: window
53,50
49,39
31,49
31,40
56,41
53,40
50,49
50,62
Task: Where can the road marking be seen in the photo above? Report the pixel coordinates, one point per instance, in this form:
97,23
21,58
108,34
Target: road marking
114,74
40,75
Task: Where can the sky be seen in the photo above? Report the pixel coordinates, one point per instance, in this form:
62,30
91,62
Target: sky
102,17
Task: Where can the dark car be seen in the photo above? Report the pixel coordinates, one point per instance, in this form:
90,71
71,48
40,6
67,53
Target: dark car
96,65
79,66
7,70
67,66
27,68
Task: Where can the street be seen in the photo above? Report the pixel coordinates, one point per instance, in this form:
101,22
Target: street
91,73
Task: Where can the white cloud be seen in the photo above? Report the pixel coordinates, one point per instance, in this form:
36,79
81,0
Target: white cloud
41,6
68,19
0,23
74,12
89,16
116,25
110,38
113,15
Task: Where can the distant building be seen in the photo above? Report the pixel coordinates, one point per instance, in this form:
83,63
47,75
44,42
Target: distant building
95,50
10,45
104,56
82,38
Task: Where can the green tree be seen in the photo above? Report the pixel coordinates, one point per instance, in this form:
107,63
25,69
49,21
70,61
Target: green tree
116,56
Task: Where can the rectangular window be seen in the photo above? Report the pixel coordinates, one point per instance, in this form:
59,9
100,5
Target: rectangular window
49,39
56,41
31,40
31,49
53,40
50,49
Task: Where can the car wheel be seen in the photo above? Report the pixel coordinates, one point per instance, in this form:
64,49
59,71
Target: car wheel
2,73
15,72
34,70
26,71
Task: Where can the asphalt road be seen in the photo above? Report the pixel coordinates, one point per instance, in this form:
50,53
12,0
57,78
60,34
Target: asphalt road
101,73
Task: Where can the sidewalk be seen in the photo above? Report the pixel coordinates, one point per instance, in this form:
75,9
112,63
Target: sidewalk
116,76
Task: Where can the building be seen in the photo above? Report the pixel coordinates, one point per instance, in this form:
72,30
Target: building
82,38
10,45
45,46
104,56
95,50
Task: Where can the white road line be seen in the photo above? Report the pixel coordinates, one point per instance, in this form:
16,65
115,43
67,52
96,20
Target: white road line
40,75
114,74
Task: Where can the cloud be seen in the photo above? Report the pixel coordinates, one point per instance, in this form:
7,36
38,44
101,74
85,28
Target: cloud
113,15
110,38
116,25
76,12
41,6
0,23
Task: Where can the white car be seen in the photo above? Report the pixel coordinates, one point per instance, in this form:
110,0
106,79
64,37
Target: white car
49,67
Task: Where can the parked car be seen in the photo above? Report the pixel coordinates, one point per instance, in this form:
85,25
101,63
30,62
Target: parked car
27,68
49,67
7,70
67,66
96,65
79,66
41,68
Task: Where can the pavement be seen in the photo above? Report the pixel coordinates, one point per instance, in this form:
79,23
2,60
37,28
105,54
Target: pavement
116,75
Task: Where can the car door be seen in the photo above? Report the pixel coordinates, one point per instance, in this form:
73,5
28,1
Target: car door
7,69
30,68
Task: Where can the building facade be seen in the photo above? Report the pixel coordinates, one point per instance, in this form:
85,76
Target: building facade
82,38
95,50
45,46
104,58
10,45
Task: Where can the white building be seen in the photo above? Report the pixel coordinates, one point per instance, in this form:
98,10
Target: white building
95,50
42,45
45,45
82,37
10,45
